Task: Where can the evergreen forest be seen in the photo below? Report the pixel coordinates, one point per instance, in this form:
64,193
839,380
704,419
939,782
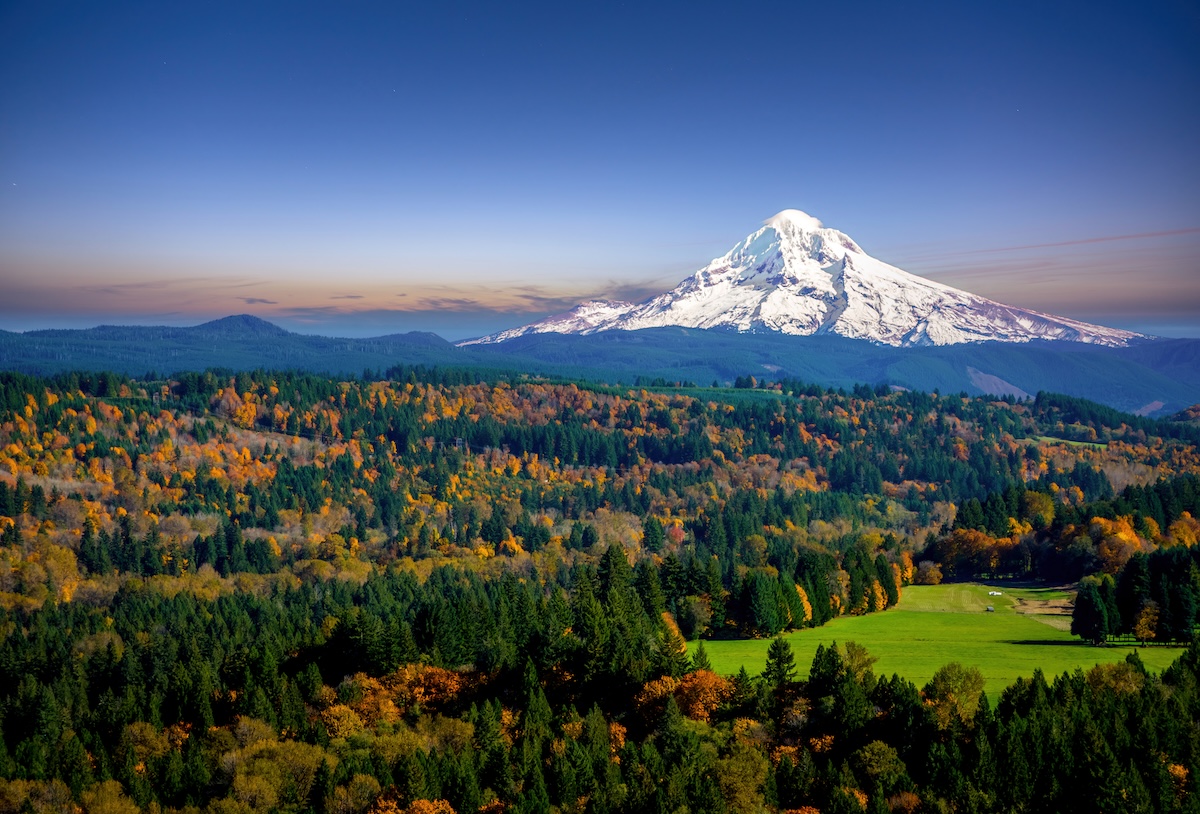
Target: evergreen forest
434,590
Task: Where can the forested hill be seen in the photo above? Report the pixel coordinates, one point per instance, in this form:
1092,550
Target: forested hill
287,592
1159,377
239,342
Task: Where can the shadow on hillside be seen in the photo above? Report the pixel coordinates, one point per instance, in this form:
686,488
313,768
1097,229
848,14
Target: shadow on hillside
1055,642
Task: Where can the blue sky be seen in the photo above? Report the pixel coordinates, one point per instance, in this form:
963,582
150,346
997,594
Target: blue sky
361,168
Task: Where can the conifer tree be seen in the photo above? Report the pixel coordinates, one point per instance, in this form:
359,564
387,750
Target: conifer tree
1089,619
781,663
672,653
653,536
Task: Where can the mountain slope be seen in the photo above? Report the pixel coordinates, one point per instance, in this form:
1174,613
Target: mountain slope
1162,372
1125,378
795,276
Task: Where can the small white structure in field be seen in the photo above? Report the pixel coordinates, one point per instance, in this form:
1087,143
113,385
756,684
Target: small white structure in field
990,609
995,593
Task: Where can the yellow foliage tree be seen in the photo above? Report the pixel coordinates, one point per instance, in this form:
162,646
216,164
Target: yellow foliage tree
1146,626
700,693
807,605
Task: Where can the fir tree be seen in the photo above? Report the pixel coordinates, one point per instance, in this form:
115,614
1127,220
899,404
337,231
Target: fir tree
781,663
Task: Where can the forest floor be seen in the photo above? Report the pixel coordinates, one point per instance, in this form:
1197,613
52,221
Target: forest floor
937,624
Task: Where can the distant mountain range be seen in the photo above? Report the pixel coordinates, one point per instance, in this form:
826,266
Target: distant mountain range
1153,377
240,342
794,299
794,276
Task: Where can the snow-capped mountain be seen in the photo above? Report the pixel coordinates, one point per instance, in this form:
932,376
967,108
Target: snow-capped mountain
795,276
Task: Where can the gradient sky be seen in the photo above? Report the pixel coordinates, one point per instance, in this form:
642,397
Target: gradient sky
359,168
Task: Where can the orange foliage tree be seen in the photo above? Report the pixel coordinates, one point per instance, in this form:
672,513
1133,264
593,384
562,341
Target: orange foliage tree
700,693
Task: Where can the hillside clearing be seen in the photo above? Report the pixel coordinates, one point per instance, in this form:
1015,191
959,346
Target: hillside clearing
937,624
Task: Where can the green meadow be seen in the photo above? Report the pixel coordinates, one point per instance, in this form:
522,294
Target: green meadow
936,624
1047,439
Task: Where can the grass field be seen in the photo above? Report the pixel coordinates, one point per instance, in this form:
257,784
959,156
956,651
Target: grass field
1052,440
937,624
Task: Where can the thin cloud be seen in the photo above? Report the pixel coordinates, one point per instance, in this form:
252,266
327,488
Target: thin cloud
1087,240
257,301
451,304
124,288
159,285
346,297
314,312
538,298
1083,278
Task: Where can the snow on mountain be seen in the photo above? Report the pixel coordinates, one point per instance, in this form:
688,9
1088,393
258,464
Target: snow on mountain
796,276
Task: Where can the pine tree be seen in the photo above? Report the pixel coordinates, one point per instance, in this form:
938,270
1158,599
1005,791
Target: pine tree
762,601
883,570
827,669
649,588
672,653
677,742
1089,619
653,536
781,663
534,798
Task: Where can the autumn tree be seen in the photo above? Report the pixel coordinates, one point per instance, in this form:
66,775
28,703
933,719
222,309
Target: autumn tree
701,692
954,693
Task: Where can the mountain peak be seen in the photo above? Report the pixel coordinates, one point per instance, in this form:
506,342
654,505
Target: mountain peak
794,218
796,276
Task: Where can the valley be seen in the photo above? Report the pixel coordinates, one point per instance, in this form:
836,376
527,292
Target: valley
416,408
282,591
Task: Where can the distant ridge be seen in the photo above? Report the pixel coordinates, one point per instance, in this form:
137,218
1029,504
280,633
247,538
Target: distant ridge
1152,377
426,338
795,276
241,325
239,342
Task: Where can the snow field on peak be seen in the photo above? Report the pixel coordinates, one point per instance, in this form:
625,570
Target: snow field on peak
794,217
796,276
